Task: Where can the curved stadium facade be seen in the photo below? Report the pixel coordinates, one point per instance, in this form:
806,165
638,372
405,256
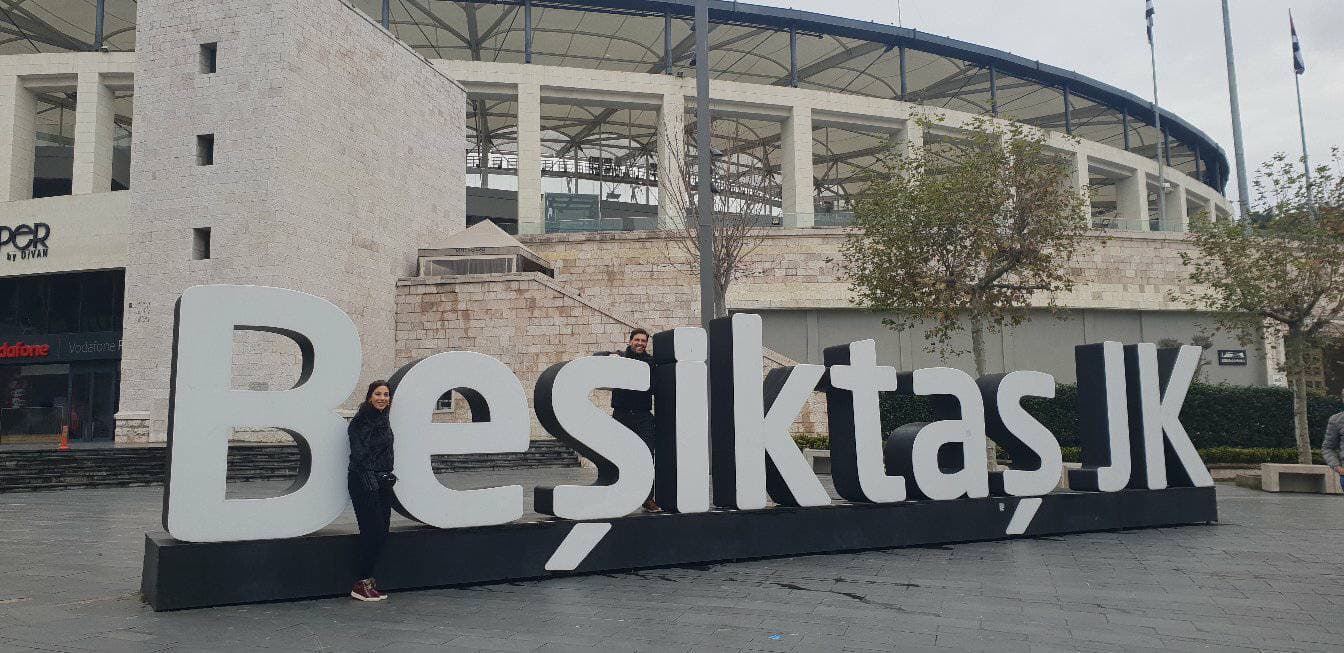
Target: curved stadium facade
567,112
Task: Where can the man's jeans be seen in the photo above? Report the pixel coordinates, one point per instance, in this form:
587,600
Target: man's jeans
641,422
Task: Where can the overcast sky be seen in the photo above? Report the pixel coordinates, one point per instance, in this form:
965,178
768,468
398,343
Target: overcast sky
1104,39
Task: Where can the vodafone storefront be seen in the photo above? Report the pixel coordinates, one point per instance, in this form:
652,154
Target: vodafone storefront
60,348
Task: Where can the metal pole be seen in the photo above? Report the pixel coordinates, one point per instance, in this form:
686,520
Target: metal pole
387,14
1124,124
1068,111
1157,123
903,80
667,43
993,91
1306,165
1238,146
704,186
98,25
793,56
527,30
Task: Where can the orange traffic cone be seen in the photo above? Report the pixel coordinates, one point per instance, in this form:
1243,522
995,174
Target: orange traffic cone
65,439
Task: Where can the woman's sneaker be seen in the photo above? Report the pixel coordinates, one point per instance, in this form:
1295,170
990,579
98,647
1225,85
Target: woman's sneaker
364,591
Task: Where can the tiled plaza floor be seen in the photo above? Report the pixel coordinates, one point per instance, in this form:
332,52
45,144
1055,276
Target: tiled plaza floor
1268,577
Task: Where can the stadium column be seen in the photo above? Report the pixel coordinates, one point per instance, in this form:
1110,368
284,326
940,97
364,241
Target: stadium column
530,212
18,139
911,137
671,161
797,169
1081,178
1176,218
1132,201
94,133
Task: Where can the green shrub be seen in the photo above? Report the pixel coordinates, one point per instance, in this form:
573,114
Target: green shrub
812,441
1213,415
1211,455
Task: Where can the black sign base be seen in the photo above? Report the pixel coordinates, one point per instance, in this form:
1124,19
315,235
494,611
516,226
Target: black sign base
179,575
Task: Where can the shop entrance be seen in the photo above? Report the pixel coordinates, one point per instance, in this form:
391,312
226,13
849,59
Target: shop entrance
93,401
39,400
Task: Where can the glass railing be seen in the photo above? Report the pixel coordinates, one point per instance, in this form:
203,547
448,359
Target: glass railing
1118,224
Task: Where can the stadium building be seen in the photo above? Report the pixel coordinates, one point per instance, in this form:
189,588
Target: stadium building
486,176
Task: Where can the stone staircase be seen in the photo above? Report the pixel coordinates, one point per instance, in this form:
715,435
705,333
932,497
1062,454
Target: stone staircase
22,470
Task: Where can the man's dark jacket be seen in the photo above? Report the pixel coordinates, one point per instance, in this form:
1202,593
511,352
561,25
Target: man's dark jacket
635,401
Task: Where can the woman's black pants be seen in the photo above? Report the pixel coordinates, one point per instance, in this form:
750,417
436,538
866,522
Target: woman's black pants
373,511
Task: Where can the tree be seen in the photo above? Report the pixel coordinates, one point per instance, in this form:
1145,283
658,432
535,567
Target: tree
1283,269
744,188
964,232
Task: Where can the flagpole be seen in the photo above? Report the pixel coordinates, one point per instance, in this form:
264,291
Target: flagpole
1238,145
1161,140
1302,126
1301,120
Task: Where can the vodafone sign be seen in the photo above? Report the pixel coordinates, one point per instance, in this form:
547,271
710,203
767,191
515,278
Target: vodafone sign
21,350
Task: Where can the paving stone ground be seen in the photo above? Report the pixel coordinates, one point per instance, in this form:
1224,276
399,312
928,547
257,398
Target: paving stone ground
1267,577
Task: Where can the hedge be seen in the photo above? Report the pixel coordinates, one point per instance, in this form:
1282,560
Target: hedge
1213,415
1227,455
1210,456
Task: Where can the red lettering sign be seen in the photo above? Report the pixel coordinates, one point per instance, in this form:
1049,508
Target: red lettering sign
21,350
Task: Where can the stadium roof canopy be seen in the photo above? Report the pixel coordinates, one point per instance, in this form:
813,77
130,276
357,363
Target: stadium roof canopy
749,43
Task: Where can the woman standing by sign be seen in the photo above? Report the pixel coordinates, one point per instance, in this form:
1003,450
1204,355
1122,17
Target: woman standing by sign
370,483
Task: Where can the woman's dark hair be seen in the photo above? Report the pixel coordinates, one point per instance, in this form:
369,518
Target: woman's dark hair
368,396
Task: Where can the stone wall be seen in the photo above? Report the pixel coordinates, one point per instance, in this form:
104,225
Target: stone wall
311,106
646,274
529,322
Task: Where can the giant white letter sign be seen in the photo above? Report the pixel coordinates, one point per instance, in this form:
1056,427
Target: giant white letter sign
681,389
965,429
750,420
1103,418
855,422
499,423
1159,417
624,463
1036,458
204,409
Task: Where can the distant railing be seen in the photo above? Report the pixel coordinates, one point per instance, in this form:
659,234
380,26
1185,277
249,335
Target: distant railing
1152,224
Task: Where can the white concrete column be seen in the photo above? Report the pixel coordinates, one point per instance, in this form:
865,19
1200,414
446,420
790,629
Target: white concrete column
531,218
799,201
673,196
912,136
1080,180
1176,219
1209,207
18,139
1132,201
94,135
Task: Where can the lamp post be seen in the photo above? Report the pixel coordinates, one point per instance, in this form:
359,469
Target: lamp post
704,187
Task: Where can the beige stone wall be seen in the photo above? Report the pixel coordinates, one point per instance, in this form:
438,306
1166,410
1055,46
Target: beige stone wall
312,106
645,274
529,322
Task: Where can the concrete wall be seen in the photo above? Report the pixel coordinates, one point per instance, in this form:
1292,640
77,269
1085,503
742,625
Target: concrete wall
311,108
88,232
1044,344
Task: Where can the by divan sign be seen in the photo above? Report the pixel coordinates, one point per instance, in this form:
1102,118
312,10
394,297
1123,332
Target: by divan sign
727,426
24,241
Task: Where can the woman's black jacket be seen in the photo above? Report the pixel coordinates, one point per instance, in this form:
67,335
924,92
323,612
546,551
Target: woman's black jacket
370,446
